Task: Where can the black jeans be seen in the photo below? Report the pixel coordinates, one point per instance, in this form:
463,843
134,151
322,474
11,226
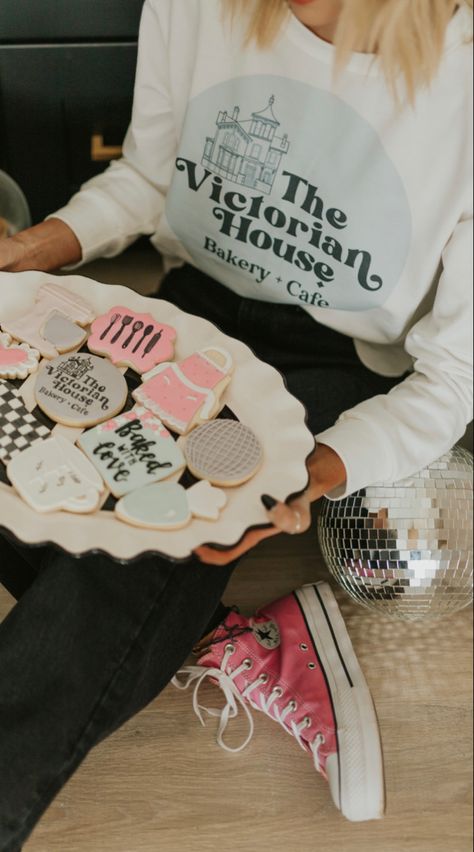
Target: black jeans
90,641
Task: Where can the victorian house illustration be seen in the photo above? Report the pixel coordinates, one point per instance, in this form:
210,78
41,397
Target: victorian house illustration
247,152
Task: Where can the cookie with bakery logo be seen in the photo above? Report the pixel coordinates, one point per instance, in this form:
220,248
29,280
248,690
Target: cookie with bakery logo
185,393
169,506
57,312
17,360
131,339
80,390
54,476
132,450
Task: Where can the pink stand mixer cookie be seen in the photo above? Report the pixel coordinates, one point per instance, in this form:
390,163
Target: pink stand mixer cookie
187,393
51,300
17,360
131,339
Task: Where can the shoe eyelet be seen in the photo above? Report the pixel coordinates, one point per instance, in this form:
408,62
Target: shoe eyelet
311,666
277,690
230,648
264,678
304,647
321,738
247,663
308,722
293,706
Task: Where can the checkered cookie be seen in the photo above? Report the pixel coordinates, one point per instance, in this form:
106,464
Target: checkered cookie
224,452
18,428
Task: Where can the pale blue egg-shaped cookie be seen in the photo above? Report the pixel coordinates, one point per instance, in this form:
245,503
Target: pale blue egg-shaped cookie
161,506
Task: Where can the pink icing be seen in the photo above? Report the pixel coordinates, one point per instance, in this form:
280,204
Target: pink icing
9,357
173,398
201,372
163,348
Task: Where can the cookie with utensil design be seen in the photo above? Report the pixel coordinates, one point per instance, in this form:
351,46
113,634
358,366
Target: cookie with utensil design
131,339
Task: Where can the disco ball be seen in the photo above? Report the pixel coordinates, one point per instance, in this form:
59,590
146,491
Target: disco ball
404,548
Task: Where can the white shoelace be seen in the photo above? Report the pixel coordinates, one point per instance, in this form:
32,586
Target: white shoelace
225,678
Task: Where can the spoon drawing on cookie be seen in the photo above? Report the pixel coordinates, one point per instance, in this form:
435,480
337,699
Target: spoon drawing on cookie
136,327
126,320
148,330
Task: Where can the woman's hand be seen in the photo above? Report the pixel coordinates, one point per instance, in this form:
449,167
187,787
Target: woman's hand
326,472
44,247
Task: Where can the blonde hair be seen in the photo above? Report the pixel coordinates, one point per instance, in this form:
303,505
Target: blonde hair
406,35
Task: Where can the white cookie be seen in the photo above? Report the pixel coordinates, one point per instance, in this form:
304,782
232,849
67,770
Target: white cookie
54,476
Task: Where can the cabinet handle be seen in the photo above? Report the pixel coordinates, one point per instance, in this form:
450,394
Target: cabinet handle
101,152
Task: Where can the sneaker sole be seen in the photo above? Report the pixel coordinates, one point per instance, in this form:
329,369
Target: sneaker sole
356,778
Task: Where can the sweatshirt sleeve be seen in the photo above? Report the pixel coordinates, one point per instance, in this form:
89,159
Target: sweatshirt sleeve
113,209
392,436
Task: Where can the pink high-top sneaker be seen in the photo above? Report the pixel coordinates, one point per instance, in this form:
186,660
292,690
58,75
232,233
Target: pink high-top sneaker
294,661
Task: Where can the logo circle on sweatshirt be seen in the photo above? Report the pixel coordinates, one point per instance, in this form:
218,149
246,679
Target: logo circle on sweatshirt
283,192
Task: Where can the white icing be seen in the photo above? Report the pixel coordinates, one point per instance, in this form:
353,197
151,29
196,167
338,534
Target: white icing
205,501
53,475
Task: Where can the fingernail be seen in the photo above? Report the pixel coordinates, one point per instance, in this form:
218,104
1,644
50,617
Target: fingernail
268,502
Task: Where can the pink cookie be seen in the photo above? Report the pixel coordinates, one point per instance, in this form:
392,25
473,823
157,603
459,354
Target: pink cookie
187,393
131,339
51,300
17,361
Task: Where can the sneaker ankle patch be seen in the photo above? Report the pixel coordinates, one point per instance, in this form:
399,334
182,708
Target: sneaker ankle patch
266,633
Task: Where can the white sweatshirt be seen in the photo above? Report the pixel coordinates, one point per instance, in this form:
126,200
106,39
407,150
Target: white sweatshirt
287,187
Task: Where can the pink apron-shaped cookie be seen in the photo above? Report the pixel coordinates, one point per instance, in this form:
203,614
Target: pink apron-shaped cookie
186,393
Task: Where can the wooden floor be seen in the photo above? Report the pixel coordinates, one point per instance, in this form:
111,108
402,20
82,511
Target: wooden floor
162,785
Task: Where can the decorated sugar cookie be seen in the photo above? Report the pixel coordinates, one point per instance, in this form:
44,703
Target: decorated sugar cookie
51,300
80,390
63,333
131,451
168,506
187,393
225,452
17,360
131,339
55,476
18,428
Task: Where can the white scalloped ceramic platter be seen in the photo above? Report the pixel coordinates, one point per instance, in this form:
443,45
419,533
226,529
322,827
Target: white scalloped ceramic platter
257,395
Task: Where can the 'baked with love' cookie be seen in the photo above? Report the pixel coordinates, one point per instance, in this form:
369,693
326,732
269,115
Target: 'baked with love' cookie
132,450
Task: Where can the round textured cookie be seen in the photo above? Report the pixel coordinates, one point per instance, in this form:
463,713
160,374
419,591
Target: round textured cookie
80,390
225,452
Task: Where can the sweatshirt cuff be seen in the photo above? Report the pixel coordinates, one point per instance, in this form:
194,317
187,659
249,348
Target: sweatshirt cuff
363,451
88,226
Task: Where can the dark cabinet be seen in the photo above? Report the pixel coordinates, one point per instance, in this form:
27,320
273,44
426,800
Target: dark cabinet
66,89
